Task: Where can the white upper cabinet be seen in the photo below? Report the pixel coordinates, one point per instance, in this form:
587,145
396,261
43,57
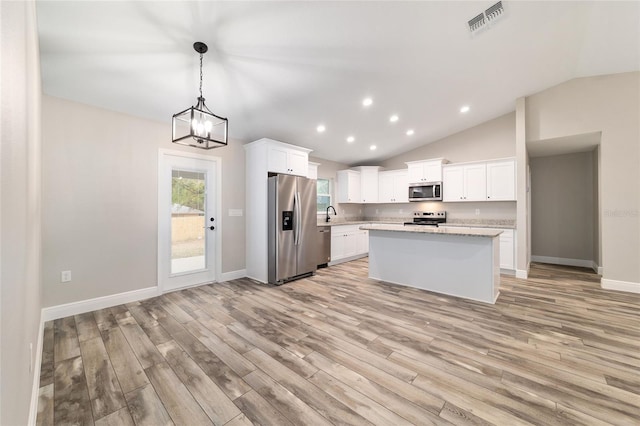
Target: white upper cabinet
312,172
475,186
466,182
501,180
348,186
482,181
368,183
288,159
425,171
393,186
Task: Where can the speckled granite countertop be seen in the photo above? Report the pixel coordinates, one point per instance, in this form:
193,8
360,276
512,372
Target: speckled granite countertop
466,232
502,224
360,222
467,223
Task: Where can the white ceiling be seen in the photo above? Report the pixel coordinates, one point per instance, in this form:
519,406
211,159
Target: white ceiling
278,69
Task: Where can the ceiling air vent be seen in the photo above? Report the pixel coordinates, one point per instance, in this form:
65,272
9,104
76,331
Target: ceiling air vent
494,12
476,23
484,19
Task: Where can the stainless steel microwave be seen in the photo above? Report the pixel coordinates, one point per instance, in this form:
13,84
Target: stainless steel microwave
431,191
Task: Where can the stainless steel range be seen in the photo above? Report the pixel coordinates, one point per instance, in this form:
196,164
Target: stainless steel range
428,218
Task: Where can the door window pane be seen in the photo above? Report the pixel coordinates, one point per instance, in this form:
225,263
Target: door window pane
188,246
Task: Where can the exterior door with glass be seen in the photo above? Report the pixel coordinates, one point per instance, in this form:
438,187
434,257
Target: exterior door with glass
188,220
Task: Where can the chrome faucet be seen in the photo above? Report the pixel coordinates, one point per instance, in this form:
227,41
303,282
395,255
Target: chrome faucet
334,212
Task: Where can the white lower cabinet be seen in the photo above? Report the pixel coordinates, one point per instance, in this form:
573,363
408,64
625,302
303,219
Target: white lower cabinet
348,241
507,249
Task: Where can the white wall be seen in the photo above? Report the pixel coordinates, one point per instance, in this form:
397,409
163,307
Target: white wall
100,200
562,206
20,300
610,104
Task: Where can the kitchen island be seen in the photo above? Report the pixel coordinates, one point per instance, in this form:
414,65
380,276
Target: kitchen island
457,262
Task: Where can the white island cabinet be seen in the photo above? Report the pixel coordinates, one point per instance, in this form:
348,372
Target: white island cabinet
458,262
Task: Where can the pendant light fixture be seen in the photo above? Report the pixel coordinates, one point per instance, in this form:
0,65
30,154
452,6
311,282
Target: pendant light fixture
198,126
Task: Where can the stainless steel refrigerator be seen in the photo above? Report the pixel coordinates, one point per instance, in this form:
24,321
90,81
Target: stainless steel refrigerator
292,238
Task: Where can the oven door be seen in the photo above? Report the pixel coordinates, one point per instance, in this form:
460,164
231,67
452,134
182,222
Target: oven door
425,192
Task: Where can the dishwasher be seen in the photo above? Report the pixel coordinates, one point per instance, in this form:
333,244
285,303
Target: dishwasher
324,246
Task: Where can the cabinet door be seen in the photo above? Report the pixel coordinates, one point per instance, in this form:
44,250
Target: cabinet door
362,242
432,171
453,183
298,163
369,186
475,182
353,187
350,244
507,249
386,187
416,173
277,159
501,180
400,188
337,247
348,186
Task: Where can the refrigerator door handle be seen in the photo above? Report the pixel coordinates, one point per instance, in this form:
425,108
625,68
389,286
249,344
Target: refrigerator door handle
298,218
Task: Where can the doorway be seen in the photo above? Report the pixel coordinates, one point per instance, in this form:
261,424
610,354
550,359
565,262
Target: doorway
565,207
188,219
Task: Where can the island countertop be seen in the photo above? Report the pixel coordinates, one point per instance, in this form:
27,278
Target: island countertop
466,232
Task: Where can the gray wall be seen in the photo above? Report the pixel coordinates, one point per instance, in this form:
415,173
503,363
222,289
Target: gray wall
20,290
562,206
609,104
487,141
100,172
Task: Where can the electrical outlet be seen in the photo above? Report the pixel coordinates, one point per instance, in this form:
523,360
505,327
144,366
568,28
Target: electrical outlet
477,212
65,276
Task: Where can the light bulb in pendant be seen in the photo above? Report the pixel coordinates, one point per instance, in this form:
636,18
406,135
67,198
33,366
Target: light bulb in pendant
208,126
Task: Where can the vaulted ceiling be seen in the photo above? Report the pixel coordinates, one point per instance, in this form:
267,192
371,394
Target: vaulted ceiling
280,69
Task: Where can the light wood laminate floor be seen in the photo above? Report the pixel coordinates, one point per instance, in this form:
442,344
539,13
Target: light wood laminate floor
339,348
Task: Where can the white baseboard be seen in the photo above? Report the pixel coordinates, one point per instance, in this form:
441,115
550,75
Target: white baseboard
522,274
74,308
563,261
347,259
628,286
596,268
35,388
233,275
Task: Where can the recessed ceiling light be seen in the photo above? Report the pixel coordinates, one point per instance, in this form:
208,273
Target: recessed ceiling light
351,139
320,128
465,109
372,147
367,102
410,132
393,118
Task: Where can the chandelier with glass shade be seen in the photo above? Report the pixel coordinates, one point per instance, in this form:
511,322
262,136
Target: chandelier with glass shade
198,126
